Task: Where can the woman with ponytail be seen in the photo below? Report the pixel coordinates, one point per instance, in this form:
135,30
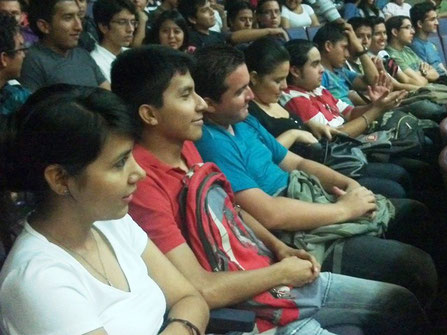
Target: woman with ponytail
81,265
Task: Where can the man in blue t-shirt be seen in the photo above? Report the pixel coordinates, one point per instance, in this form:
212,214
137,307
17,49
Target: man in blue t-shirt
425,21
258,169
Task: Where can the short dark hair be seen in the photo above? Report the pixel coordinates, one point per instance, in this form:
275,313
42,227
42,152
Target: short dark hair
214,65
175,17
141,75
188,8
357,22
332,32
261,3
233,9
60,124
298,50
264,55
41,10
104,10
394,22
375,20
419,11
9,28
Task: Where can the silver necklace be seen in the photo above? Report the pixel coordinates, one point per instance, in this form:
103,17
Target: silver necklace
70,250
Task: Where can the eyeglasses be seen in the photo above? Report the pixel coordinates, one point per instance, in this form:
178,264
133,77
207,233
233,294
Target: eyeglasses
13,51
126,22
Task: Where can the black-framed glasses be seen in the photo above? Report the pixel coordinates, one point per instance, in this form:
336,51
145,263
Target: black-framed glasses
125,22
13,51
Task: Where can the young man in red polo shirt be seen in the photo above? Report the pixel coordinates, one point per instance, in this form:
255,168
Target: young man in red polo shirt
170,115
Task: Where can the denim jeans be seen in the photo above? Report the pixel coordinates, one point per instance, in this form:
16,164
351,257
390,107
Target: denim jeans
425,109
375,307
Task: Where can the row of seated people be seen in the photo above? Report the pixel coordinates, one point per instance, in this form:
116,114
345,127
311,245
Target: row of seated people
75,191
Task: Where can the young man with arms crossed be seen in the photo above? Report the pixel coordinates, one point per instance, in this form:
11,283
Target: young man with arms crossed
57,57
400,32
425,21
170,114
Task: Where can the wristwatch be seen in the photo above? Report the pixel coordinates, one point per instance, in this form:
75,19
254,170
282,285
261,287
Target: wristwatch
361,53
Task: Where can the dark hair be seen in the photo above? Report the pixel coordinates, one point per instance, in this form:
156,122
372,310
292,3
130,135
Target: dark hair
298,50
41,10
60,124
375,20
9,28
261,3
141,75
214,64
233,9
264,55
394,22
419,11
365,7
21,4
332,32
357,22
175,17
188,8
104,10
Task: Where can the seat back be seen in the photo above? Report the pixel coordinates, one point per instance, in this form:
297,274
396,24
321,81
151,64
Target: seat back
311,31
297,33
442,28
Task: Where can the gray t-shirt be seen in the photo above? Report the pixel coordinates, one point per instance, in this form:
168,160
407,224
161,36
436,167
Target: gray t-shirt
43,67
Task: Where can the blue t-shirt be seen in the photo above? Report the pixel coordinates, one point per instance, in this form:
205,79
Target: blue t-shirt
428,52
339,82
249,159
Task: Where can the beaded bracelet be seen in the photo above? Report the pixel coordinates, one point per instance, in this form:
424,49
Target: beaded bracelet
192,327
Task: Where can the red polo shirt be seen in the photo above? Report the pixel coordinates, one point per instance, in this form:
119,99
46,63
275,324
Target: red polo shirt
155,205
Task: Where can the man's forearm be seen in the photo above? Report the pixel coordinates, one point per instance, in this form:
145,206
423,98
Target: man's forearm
369,69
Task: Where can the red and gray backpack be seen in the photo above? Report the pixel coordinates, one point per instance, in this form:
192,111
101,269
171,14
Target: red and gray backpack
222,242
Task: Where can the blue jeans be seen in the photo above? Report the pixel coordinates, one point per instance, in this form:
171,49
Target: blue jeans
375,307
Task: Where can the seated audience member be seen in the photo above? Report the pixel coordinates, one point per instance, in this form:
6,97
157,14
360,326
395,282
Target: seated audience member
116,21
14,8
89,35
240,20
351,9
295,14
363,30
56,58
81,265
424,109
400,33
240,15
200,16
12,53
268,14
143,29
171,30
268,63
368,8
325,10
396,8
221,17
170,114
379,41
335,43
164,6
307,97
425,21
258,167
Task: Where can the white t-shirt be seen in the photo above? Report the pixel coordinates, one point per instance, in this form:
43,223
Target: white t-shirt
298,20
104,59
393,9
219,24
44,290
